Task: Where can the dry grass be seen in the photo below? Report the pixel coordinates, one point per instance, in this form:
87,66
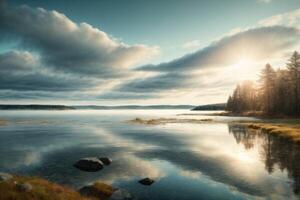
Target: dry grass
3,122
42,190
289,130
159,121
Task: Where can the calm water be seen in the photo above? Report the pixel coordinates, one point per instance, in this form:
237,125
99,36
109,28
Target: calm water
188,161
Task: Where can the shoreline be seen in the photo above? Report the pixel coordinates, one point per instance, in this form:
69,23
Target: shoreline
284,127
162,121
35,188
259,115
285,130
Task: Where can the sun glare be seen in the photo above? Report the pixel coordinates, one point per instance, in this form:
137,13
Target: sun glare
243,62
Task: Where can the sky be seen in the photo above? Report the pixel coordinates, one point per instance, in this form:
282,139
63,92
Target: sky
119,52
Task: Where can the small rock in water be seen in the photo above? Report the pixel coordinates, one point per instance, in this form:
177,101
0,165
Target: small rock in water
121,194
24,187
89,164
105,160
5,176
146,181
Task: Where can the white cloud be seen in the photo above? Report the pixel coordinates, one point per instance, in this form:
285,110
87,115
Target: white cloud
264,1
287,19
194,44
70,47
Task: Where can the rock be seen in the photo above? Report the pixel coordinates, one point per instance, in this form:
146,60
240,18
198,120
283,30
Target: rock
89,164
105,160
5,176
146,181
121,194
98,190
24,187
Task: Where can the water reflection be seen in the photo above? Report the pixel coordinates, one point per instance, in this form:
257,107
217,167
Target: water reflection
194,161
276,152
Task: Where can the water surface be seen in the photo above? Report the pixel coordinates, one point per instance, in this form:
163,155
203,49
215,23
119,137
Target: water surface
188,161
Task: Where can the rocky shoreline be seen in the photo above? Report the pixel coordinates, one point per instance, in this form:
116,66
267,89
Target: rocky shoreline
35,188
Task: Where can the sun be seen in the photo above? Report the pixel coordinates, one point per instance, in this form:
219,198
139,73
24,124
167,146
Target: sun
244,62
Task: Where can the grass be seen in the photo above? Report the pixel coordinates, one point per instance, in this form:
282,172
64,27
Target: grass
45,190
285,128
167,120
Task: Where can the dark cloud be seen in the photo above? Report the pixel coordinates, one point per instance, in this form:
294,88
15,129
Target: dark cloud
22,71
158,83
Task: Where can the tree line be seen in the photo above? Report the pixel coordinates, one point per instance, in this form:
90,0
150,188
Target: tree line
276,92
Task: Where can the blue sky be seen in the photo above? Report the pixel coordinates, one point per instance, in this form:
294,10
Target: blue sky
140,52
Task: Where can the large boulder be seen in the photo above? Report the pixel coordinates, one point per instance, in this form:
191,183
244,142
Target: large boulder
5,176
89,164
146,181
105,160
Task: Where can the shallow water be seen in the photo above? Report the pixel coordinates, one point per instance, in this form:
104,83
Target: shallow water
188,161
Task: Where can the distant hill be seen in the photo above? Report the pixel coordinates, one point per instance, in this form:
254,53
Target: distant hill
35,107
93,107
218,106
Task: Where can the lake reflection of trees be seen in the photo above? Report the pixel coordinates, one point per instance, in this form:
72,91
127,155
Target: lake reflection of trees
275,151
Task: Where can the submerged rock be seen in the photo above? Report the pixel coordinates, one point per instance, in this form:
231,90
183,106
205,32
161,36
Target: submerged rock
5,176
121,194
89,164
105,160
98,190
146,181
24,187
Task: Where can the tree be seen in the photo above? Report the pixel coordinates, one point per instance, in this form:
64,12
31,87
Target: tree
278,91
229,104
267,80
293,67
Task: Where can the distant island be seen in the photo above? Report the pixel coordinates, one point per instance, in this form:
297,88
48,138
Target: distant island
35,107
218,106
90,107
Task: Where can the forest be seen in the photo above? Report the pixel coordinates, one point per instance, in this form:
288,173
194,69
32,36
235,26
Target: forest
277,92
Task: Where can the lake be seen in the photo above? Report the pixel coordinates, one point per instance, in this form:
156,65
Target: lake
188,161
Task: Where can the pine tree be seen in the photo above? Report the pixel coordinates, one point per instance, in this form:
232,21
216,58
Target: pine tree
279,91
267,80
293,67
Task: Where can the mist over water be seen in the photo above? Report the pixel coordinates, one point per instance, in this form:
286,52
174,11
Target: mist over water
188,161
